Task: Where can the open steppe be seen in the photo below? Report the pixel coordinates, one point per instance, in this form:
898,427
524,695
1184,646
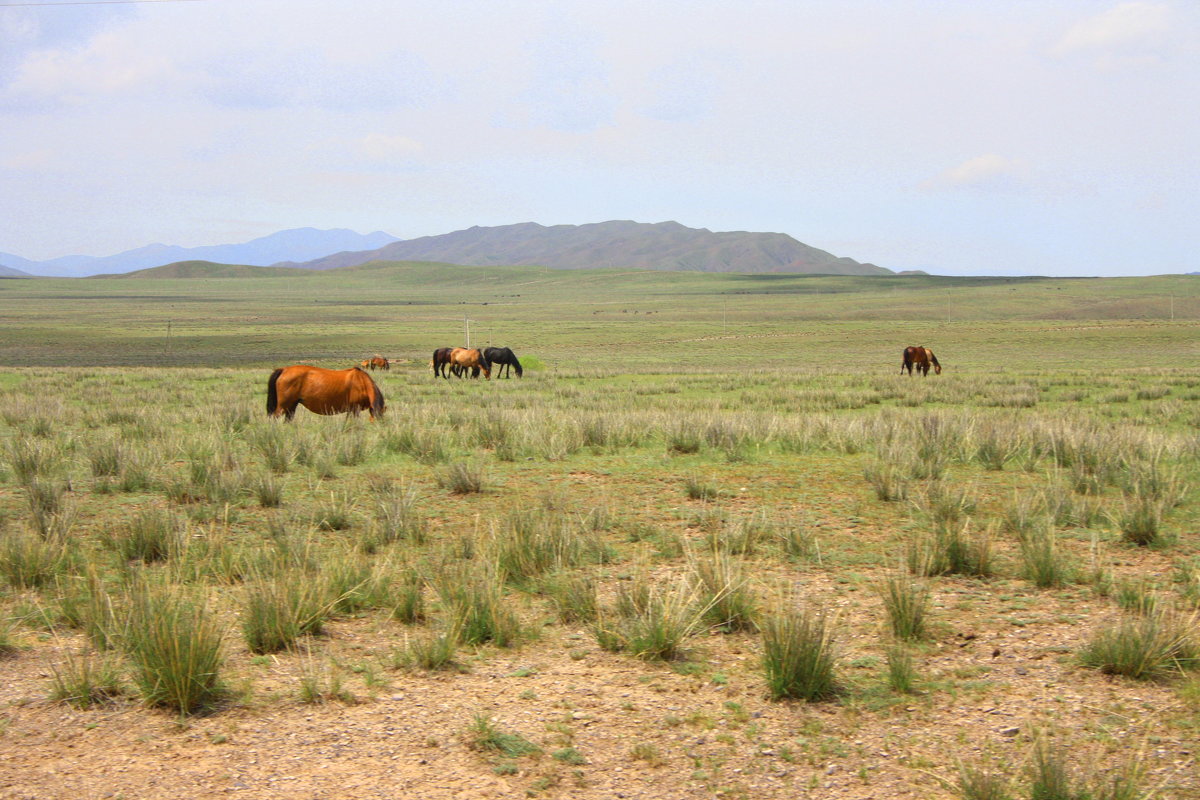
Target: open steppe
566,585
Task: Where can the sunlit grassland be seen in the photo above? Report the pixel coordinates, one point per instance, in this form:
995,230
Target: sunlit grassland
598,317
690,464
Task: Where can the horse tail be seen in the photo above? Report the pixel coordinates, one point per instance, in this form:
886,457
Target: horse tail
272,395
377,403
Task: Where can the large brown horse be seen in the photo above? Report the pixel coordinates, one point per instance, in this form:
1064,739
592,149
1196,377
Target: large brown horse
322,391
921,358
462,359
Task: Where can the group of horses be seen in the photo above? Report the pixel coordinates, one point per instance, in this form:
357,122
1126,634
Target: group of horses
457,361
337,391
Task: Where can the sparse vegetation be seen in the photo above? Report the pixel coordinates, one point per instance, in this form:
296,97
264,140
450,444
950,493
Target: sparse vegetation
637,515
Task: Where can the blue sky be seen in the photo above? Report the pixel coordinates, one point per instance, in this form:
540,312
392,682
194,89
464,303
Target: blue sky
1025,137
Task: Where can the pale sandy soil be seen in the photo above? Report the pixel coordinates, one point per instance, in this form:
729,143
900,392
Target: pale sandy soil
405,735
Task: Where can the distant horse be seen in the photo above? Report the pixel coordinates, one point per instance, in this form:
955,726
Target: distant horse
506,358
322,391
462,359
379,362
364,364
441,362
921,358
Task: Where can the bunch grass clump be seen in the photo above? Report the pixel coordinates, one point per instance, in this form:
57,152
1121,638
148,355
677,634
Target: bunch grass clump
281,608
175,645
907,605
1145,647
799,654
651,622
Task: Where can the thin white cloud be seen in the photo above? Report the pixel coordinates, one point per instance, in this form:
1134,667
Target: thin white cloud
39,158
382,147
106,65
986,170
1127,25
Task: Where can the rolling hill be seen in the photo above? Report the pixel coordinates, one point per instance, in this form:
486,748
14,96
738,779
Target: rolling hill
659,246
209,269
9,272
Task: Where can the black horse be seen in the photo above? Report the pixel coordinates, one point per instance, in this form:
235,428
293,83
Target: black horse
505,358
441,362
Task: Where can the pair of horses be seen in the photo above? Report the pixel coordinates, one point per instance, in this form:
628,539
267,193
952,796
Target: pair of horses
458,360
921,358
375,362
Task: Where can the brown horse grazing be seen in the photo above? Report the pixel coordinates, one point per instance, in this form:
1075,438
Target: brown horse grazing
379,362
463,359
322,391
921,358
441,362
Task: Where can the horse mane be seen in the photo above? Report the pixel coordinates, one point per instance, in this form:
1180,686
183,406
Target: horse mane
272,396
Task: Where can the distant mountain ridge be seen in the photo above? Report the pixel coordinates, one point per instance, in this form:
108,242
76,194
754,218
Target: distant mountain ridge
9,272
297,244
618,243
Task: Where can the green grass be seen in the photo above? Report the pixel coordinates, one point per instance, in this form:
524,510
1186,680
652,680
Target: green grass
783,446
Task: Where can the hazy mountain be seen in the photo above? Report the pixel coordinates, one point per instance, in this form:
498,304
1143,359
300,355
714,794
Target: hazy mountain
665,246
9,272
298,244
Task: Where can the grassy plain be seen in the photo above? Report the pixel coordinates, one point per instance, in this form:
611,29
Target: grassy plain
573,584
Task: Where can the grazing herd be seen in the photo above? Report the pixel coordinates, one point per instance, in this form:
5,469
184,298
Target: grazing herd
338,391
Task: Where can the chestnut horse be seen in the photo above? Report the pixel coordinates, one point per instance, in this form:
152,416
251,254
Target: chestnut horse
322,391
379,362
462,359
921,358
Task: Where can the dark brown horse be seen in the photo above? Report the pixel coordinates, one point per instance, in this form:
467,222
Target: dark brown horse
441,362
506,358
379,362
462,359
322,391
921,358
